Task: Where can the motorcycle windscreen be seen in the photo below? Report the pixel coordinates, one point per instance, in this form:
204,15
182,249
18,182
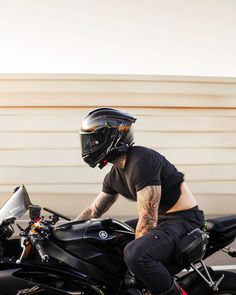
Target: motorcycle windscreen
16,206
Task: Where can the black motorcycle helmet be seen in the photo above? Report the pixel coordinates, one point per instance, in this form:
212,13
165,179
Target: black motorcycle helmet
105,133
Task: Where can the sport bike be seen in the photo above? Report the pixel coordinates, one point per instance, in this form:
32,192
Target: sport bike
86,257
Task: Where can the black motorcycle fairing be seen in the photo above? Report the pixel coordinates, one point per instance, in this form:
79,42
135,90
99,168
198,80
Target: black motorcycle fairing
50,277
12,247
222,227
12,284
221,231
99,242
99,275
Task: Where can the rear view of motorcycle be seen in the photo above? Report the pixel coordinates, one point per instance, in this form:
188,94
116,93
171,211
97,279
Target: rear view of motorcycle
86,257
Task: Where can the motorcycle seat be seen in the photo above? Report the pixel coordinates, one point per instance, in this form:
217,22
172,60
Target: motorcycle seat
222,227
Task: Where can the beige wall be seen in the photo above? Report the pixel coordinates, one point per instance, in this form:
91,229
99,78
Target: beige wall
192,121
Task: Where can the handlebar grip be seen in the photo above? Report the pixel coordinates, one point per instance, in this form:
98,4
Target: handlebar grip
39,247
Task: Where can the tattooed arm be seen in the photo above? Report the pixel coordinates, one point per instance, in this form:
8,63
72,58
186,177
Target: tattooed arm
99,206
148,200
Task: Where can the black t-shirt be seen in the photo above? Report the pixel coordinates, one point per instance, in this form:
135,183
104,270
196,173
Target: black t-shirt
145,167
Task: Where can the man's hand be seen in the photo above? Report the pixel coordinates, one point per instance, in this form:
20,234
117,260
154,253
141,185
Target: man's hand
99,206
148,200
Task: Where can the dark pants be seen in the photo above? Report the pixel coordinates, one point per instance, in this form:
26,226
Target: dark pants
151,257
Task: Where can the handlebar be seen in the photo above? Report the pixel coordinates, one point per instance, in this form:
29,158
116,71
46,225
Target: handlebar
56,213
35,241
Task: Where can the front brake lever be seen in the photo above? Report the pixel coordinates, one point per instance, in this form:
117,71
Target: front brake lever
23,239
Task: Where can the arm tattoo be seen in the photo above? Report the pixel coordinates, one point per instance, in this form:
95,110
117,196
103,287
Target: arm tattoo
99,206
148,200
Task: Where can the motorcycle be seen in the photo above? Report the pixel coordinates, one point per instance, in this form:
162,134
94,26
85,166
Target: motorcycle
86,257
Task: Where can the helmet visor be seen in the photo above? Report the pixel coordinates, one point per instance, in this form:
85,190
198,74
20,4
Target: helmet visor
91,141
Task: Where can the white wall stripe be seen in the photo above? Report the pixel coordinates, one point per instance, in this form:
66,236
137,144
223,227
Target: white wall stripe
190,120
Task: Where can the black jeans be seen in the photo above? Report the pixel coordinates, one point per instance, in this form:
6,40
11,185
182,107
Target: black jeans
151,257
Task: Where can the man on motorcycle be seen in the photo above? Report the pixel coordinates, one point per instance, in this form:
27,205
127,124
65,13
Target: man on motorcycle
167,210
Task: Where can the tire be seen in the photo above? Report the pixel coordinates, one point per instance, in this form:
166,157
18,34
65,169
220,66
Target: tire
228,284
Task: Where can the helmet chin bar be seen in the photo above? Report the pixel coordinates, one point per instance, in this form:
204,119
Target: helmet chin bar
113,154
102,164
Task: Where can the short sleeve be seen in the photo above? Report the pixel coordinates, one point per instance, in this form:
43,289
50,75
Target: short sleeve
147,172
107,186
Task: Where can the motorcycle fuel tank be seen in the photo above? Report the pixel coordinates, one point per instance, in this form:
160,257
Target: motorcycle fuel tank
99,242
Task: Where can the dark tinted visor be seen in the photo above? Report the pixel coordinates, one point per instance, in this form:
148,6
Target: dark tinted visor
91,141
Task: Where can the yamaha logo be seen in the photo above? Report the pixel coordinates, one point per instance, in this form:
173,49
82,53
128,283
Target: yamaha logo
103,234
30,291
